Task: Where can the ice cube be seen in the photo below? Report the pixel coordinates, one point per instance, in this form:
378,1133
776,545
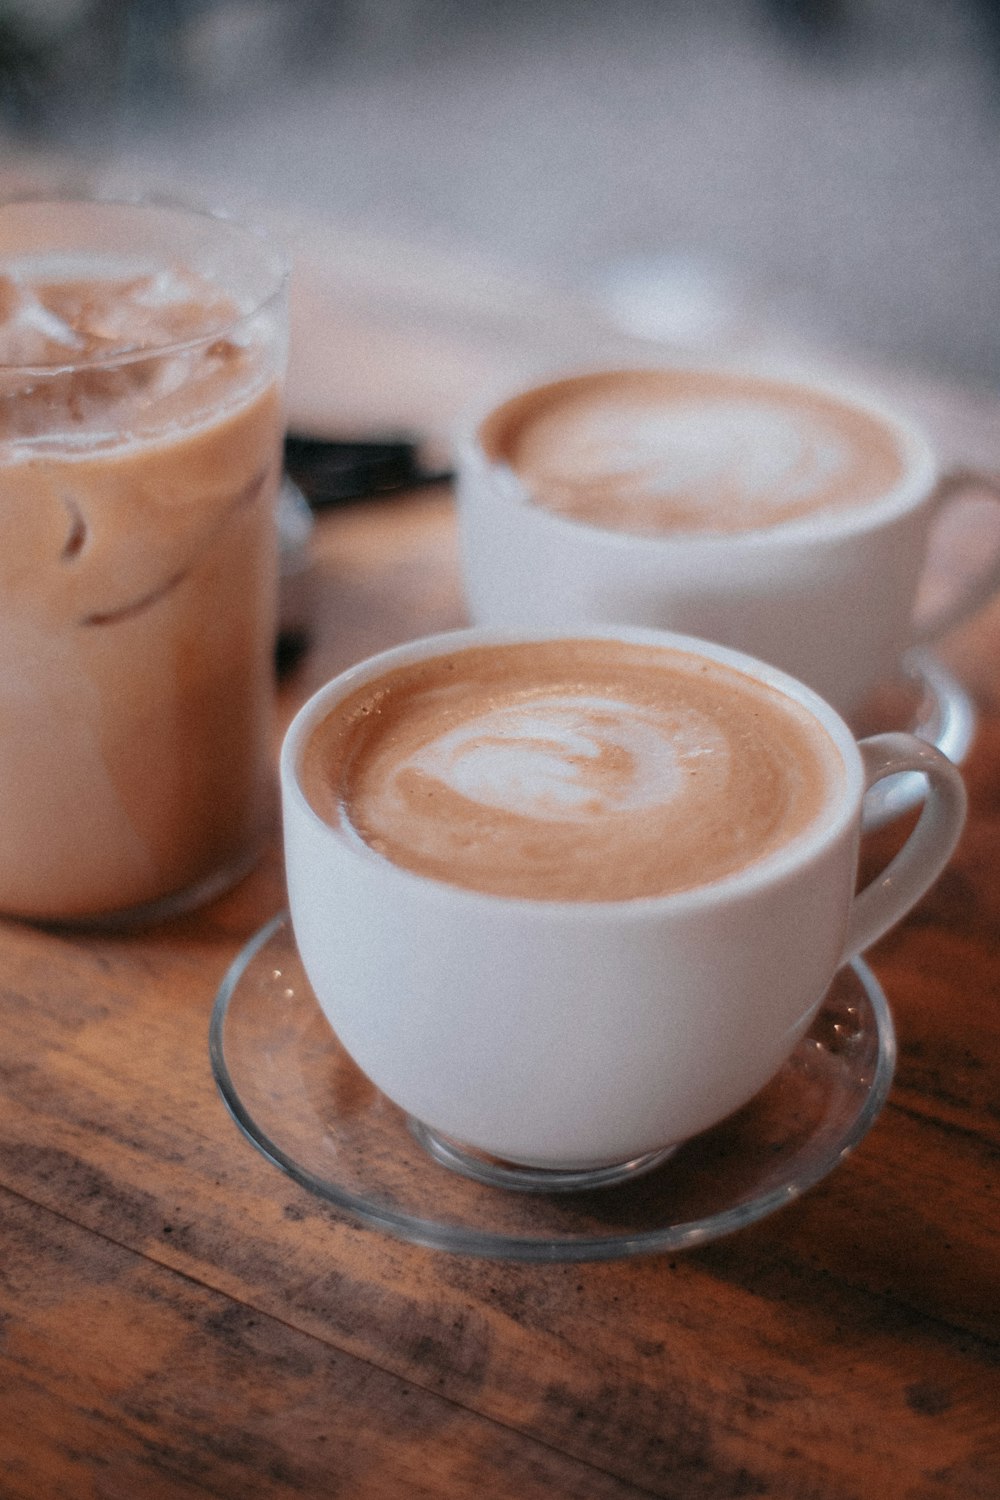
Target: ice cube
30,332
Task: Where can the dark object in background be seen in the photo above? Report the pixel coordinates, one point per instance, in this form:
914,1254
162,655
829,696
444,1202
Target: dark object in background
812,13
337,472
295,529
321,473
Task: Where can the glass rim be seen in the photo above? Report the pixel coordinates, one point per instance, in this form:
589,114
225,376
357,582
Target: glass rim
253,234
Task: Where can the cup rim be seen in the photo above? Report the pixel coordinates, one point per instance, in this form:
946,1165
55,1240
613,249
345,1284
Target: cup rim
921,469
822,833
253,234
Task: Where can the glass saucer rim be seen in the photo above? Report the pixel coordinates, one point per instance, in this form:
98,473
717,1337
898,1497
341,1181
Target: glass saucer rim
538,1249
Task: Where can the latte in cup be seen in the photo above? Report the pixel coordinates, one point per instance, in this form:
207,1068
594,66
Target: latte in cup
786,519
657,451
571,770
569,898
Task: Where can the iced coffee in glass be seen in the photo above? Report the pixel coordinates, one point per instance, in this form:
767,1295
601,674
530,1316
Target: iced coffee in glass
142,353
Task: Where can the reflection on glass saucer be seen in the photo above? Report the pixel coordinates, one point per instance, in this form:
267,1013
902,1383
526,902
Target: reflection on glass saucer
929,702
297,1096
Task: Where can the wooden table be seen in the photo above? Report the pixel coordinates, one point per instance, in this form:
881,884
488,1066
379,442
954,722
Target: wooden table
178,1319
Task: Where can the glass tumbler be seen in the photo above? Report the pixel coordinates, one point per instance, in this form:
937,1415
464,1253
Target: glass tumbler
142,358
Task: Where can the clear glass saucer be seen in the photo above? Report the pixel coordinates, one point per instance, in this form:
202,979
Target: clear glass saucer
930,702
300,1100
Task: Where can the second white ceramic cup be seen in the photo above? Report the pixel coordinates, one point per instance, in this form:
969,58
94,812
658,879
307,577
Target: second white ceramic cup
828,597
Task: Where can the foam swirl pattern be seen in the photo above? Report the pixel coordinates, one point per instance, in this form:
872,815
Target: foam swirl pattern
580,770
651,452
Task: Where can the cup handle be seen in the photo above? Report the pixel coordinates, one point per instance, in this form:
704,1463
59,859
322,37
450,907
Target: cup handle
986,579
887,898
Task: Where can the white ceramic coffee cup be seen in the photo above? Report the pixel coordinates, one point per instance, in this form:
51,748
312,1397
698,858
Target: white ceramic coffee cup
574,1037
830,597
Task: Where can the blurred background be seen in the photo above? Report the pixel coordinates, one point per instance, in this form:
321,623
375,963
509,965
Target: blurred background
829,164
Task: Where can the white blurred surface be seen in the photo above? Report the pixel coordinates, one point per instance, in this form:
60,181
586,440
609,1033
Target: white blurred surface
692,166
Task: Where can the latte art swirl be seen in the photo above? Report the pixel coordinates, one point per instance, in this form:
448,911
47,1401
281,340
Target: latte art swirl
572,770
656,451
570,759
764,459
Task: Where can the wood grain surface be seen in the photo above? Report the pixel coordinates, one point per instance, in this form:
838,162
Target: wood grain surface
179,1319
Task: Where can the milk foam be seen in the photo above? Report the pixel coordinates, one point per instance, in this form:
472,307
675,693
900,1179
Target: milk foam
762,457
659,451
580,770
569,759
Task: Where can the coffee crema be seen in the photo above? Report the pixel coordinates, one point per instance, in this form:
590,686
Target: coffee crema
659,451
570,770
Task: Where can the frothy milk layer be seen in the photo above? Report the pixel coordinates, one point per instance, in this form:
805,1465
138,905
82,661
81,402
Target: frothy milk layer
660,451
578,770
